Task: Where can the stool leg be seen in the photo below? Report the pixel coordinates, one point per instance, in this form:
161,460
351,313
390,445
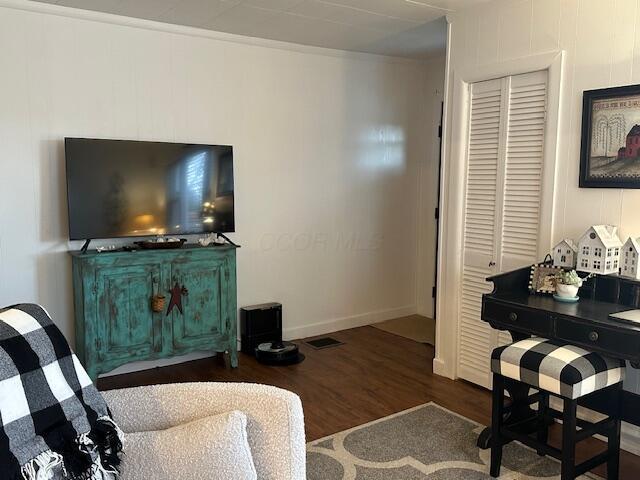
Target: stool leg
543,427
569,416
613,438
497,415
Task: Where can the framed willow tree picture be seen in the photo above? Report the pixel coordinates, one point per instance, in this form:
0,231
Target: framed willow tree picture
610,144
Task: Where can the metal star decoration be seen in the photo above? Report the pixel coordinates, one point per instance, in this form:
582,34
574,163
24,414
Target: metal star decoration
176,299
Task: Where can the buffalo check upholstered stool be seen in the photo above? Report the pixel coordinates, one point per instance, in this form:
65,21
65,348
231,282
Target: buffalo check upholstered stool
566,371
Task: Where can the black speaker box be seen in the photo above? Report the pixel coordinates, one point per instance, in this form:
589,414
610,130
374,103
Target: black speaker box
260,324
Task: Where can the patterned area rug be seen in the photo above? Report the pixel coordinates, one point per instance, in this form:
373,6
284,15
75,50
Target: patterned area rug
424,443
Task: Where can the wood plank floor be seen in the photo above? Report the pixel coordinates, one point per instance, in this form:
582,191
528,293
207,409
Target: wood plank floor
374,374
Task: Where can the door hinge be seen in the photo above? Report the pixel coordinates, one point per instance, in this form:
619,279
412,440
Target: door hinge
437,213
434,290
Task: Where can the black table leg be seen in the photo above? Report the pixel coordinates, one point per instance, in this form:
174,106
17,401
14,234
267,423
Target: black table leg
543,421
497,415
519,417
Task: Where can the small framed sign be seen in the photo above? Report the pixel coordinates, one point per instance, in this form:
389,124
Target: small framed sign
542,278
610,143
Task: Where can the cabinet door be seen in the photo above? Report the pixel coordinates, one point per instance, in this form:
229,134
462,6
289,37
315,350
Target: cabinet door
127,327
200,326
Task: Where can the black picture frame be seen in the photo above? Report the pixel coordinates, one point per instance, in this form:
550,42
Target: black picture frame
587,163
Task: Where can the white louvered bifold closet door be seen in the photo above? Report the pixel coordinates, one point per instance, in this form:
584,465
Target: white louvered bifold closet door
523,173
523,170
502,203
480,226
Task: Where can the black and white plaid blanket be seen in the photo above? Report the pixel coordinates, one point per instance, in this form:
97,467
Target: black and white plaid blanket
54,424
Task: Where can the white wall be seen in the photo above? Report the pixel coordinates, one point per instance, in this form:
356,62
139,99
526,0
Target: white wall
602,49
327,144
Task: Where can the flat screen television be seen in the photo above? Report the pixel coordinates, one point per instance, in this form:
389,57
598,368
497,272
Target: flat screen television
123,188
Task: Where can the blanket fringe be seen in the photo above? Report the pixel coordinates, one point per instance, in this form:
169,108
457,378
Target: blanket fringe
48,463
108,439
109,421
45,465
42,467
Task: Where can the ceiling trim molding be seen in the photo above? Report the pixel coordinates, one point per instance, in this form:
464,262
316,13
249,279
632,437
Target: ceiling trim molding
134,22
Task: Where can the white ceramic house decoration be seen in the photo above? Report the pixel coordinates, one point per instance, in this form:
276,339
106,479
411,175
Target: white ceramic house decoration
629,259
599,250
565,254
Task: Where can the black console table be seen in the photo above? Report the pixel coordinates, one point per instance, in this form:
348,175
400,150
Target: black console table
586,323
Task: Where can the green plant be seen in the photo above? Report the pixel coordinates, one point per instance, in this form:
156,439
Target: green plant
571,277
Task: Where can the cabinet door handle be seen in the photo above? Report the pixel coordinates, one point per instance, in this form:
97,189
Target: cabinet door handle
492,264
513,316
593,336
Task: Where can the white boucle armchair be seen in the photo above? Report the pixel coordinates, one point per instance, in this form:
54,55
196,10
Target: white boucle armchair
275,423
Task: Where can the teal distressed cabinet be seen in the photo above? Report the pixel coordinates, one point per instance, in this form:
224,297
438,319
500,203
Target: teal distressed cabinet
114,319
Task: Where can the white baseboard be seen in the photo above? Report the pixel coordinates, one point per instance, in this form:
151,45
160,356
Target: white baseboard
629,438
426,310
343,323
441,368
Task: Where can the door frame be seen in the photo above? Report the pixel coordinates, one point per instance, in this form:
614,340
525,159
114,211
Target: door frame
437,212
452,179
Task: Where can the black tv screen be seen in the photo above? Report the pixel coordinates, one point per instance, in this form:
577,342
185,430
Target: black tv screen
122,188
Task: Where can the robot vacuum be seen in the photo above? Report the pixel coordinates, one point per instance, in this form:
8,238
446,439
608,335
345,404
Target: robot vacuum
278,353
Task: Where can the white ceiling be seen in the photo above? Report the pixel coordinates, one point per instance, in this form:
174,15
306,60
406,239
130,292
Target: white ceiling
408,28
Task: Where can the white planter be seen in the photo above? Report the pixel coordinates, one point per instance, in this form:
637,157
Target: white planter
570,291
